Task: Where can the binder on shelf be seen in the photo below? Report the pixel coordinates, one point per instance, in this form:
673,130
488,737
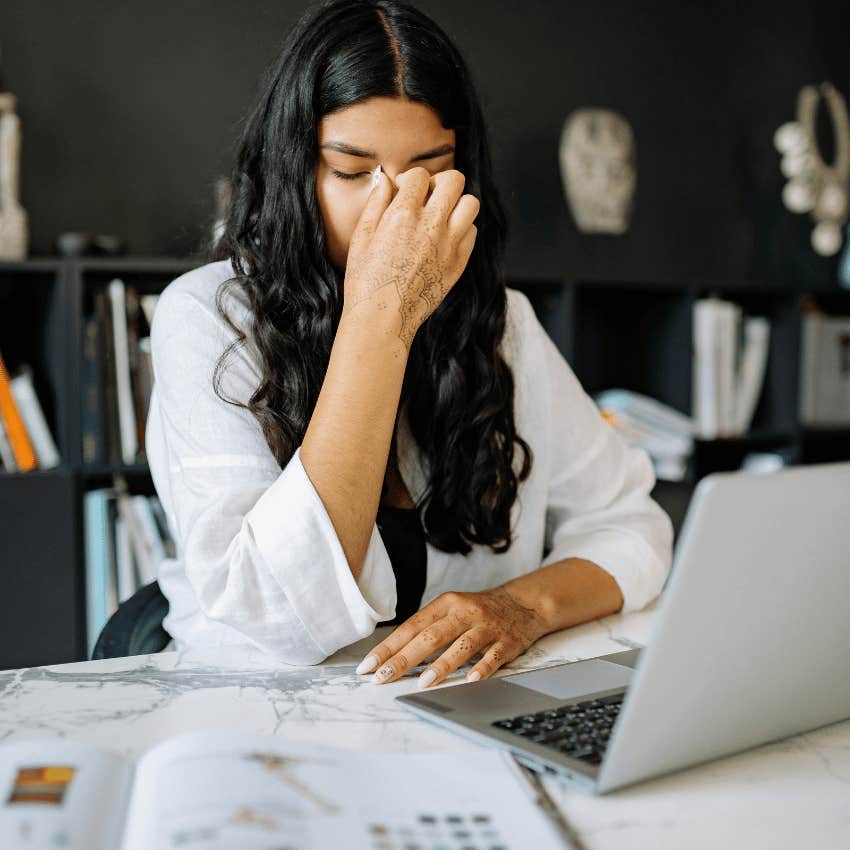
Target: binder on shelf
136,331
108,392
23,389
728,323
752,371
154,545
149,544
127,581
16,432
97,549
93,432
145,378
705,369
727,377
123,550
124,391
824,369
7,456
111,585
118,377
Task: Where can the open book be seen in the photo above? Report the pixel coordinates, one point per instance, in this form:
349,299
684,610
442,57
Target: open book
227,789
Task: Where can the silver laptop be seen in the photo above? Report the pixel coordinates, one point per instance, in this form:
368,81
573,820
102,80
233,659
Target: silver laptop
751,643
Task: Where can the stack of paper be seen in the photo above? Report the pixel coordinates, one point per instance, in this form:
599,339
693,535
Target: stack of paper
727,375
661,430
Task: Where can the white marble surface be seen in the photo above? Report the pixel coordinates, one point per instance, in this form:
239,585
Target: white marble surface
791,794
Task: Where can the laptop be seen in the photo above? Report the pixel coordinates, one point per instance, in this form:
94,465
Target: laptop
750,644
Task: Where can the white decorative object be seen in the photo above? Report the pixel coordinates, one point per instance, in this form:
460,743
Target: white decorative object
815,187
222,201
598,169
14,233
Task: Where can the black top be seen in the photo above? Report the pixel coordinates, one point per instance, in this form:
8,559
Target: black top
404,539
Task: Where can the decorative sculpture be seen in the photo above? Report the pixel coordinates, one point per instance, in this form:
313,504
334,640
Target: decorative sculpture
14,234
813,186
598,169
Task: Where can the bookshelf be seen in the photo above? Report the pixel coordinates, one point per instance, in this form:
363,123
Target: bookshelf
43,303
630,334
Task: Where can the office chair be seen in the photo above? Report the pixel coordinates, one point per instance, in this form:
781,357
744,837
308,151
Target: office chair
136,627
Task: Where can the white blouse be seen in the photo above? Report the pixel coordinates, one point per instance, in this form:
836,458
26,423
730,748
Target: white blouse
258,560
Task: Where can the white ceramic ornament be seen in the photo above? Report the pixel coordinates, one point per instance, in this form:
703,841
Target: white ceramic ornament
598,169
815,187
14,232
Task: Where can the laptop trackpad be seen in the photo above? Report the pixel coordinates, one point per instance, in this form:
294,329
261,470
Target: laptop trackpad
566,681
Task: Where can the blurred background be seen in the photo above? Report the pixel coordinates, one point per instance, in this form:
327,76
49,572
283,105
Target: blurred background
129,111
710,329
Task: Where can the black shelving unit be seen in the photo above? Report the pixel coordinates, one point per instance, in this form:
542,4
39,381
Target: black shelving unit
630,334
43,303
638,335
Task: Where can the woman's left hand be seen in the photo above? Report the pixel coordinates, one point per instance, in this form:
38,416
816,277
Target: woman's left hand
493,622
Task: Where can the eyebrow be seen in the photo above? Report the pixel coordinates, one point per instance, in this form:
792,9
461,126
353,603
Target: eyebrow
342,147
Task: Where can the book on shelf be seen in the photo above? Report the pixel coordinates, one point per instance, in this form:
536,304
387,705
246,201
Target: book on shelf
117,375
26,442
94,448
220,787
124,545
824,368
728,371
23,388
126,407
96,522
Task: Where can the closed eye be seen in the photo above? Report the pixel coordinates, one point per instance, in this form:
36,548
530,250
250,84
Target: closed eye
345,176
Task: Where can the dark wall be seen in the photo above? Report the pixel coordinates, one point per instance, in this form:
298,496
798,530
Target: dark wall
129,112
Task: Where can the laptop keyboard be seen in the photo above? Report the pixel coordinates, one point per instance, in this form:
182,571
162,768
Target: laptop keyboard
580,730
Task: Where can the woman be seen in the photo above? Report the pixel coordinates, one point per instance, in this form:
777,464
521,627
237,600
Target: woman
354,421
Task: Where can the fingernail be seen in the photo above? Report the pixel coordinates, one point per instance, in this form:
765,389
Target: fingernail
473,676
376,177
383,674
368,664
427,678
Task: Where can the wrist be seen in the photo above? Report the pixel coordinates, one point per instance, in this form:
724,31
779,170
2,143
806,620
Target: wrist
372,330
567,592
529,596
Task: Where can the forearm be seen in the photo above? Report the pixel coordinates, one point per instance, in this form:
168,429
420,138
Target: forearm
567,593
346,445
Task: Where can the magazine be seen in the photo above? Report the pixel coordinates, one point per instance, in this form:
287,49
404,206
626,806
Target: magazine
221,789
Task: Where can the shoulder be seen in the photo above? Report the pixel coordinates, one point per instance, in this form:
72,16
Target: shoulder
519,306
188,332
520,340
187,307
196,290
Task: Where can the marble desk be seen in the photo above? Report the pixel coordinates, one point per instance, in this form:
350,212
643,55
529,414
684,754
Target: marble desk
790,794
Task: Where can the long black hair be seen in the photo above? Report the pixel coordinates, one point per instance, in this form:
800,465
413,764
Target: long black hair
458,388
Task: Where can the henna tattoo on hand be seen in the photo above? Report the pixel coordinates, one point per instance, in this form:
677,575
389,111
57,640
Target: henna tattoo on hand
415,274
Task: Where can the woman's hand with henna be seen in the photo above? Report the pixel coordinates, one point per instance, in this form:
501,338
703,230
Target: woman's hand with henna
407,252
491,622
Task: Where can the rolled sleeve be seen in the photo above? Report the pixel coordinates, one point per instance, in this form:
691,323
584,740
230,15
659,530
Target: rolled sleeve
336,608
598,501
256,542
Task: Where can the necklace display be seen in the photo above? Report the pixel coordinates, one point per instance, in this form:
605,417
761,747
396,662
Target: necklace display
813,186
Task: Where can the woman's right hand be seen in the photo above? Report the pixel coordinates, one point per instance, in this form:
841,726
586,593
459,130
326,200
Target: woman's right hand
407,252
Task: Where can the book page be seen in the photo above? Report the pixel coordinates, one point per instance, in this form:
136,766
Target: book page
214,790
59,793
